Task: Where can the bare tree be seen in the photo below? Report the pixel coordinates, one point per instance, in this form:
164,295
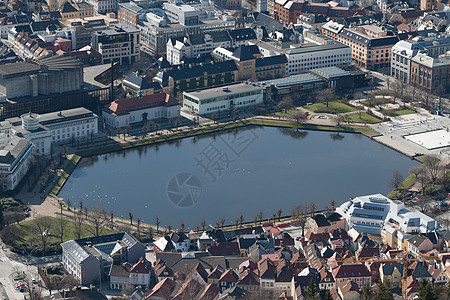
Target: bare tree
78,225
325,95
241,220
286,103
420,175
338,120
138,228
299,117
42,227
332,204
222,222
60,227
157,222
97,219
203,224
395,181
313,208
279,212
182,226
131,216
432,166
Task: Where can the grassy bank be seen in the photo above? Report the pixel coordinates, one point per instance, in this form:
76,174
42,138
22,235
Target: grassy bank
71,164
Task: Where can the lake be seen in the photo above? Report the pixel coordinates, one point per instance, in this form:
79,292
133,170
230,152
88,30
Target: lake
242,171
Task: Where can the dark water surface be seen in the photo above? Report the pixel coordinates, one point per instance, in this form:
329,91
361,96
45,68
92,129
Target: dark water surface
237,172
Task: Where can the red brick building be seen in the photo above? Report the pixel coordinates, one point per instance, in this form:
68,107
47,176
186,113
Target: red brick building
430,73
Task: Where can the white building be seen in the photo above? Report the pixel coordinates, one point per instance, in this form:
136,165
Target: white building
194,45
211,100
126,274
119,42
158,26
403,52
372,213
104,6
309,56
123,112
15,153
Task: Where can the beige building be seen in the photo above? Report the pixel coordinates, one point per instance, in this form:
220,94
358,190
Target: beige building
321,223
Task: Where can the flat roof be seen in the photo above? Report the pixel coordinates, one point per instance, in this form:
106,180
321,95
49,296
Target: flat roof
222,90
292,80
64,115
331,72
318,48
17,68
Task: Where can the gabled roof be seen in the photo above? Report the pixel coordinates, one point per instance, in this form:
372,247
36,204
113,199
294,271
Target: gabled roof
348,286
211,292
178,237
67,8
247,277
229,276
351,270
417,240
224,249
266,269
162,289
243,52
242,34
138,82
388,268
198,71
143,266
216,273
122,270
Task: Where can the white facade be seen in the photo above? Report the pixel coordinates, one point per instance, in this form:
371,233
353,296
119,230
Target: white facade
175,52
17,152
104,6
123,112
212,100
309,56
372,213
142,279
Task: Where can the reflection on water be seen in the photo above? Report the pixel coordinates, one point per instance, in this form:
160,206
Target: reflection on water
256,169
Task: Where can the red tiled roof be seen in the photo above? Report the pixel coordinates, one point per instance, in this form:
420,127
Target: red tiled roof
123,106
143,266
162,289
351,270
211,292
229,276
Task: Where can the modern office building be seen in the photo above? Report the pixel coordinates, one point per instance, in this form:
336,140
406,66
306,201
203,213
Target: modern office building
211,100
119,42
373,213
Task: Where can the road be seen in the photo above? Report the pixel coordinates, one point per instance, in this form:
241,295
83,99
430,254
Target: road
7,268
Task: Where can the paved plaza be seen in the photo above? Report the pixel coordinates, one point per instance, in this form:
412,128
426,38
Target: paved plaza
431,139
400,131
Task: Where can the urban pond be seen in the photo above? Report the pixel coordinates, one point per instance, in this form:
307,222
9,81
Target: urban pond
240,171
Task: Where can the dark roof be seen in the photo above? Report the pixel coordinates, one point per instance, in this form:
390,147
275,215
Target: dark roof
18,68
224,249
388,268
417,240
67,8
244,52
43,25
368,41
321,220
138,82
178,237
271,60
246,243
242,34
199,71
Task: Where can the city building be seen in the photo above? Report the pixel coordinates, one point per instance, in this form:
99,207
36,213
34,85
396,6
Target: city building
90,259
430,5
212,100
371,45
84,28
287,11
194,45
403,52
355,272
179,20
373,213
104,6
129,275
124,112
180,79
119,42
15,153
134,83
430,73
250,63
129,13
309,56
72,10
44,76
321,223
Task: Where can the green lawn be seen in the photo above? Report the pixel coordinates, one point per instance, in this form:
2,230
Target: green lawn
343,128
379,101
404,185
401,112
334,106
365,118
27,235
